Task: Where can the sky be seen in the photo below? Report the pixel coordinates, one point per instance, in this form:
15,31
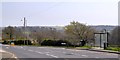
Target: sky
58,12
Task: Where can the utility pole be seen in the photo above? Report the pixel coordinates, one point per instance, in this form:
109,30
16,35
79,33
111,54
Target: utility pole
25,24
24,28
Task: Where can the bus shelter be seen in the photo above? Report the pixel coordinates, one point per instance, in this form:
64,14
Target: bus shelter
101,39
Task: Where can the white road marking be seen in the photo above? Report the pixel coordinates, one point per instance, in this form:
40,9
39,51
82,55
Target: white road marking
51,47
111,54
2,50
94,52
96,57
48,54
40,52
73,50
41,47
21,47
13,56
58,48
54,56
7,47
84,55
30,50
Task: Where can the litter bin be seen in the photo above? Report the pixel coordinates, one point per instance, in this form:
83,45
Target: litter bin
105,45
82,43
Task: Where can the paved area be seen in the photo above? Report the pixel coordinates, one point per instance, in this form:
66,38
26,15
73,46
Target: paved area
26,52
4,55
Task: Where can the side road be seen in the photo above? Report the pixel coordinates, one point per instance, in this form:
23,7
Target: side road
7,55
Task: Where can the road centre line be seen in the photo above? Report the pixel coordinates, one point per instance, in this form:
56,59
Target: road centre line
84,55
52,55
30,50
47,53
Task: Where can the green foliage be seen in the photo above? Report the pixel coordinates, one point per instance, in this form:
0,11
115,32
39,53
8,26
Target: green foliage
78,31
85,47
113,48
5,42
55,43
19,42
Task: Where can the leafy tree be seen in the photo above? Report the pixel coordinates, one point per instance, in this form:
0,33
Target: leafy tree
77,31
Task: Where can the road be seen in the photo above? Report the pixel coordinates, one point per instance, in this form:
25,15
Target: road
52,52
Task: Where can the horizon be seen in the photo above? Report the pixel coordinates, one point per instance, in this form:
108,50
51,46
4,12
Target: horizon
56,26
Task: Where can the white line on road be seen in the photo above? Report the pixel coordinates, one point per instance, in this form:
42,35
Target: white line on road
96,57
13,56
58,48
84,55
30,50
41,47
94,52
73,50
54,56
21,47
40,52
48,54
111,54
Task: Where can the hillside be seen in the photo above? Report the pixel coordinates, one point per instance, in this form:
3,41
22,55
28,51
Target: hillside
61,28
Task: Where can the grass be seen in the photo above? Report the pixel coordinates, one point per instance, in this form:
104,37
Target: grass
114,48
85,47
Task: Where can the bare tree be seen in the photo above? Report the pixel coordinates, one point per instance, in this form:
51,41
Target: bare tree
8,33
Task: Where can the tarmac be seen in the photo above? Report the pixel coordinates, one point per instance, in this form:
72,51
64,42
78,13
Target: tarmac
4,55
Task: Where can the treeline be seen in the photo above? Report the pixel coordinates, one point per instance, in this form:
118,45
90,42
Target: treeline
72,34
115,37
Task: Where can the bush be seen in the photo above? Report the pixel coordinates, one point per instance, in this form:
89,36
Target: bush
5,42
48,43
55,43
18,42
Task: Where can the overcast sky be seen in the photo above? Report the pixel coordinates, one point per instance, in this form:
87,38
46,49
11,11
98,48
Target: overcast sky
59,13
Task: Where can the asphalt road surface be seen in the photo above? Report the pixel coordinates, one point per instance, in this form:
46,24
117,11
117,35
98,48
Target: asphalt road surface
31,52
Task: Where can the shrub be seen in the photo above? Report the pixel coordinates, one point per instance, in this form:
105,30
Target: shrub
55,43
